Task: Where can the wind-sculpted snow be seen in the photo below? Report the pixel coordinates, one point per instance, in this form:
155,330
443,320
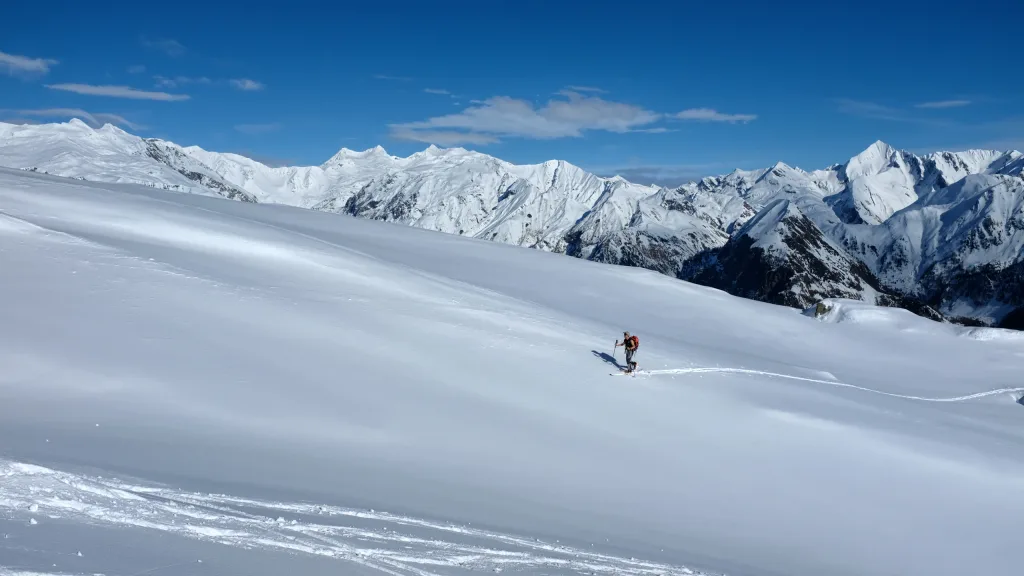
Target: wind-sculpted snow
388,543
939,233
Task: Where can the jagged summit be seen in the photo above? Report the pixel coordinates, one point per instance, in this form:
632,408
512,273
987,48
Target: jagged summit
946,228
877,148
872,160
783,167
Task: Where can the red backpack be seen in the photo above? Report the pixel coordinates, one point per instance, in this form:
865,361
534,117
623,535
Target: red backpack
636,341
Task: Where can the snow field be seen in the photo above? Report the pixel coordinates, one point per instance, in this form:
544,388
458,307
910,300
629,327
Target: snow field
257,362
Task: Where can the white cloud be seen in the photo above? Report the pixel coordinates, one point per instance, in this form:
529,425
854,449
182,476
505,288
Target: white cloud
389,77
137,69
437,91
504,116
711,115
169,47
258,128
572,115
876,111
657,130
95,120
239,83
443,137
164,82
117,92
14,64
869,110
247,85
587,89
944,104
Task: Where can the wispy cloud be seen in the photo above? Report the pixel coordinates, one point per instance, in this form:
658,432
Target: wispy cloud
167,46
712,115
118,92
244,84
164,82
572,115
944,104
247,84
876,111
588,89
14,64
137,69
503,116
390,77
657,130
95,120
869,110
258,128
437,91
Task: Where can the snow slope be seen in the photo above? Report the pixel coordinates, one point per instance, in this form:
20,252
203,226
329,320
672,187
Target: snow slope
882,209
191,385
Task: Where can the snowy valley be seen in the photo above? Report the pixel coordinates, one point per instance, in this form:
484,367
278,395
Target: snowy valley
941,235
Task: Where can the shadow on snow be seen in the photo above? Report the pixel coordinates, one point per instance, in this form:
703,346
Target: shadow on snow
608,358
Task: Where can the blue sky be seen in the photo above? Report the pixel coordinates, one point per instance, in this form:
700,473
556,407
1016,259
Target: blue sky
661,91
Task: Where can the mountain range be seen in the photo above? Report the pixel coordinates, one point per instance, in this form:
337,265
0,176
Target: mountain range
940,234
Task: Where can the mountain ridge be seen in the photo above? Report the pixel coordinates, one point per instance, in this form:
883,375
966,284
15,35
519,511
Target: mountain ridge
939,232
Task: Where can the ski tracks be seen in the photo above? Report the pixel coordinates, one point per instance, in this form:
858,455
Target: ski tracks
392,544
975,396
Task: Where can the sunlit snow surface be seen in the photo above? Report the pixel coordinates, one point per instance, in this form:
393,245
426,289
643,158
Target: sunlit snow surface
190,385
389,543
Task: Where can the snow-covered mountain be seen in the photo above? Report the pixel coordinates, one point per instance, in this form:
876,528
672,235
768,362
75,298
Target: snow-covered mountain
942,232
108,154
780,255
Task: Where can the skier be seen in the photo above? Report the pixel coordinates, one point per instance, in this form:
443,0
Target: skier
631,343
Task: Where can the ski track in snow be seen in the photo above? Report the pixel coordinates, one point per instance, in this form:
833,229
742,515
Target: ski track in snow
392,544
668,371
5,571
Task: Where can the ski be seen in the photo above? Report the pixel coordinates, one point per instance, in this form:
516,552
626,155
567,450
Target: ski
626,373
